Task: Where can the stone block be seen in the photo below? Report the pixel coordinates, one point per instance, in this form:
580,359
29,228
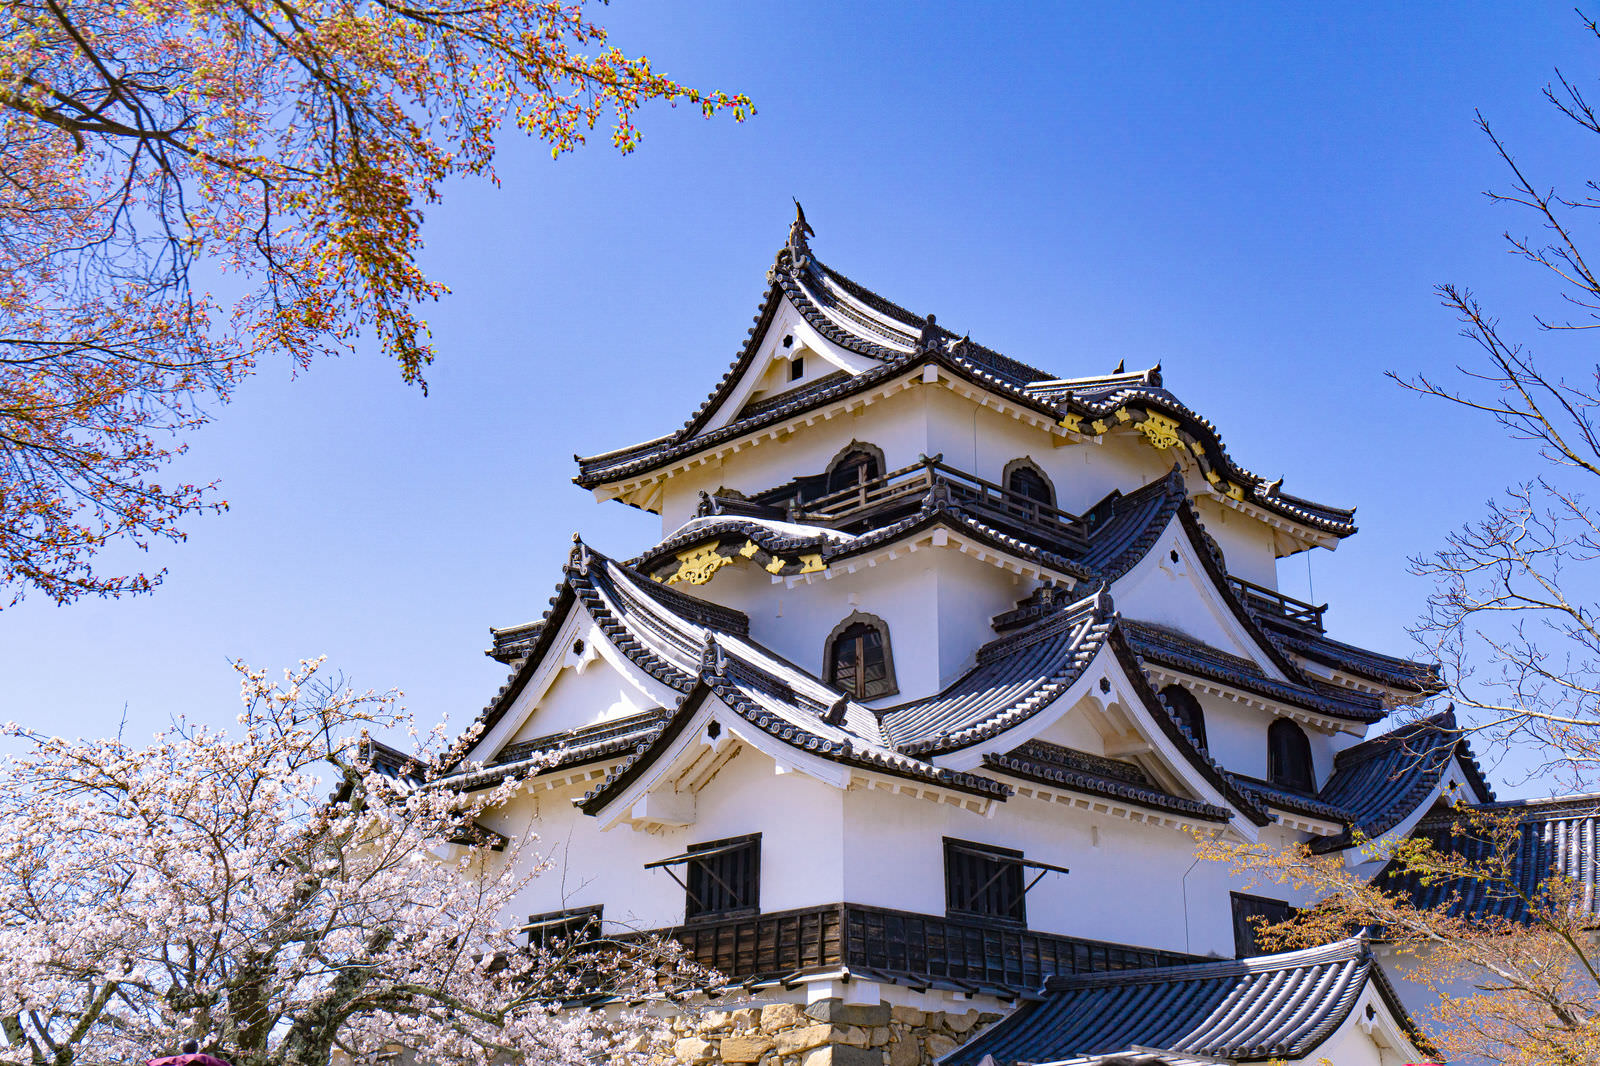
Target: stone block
961,1023
744,1017
838,1012
714,1021
938,1045
854,1035
908,1015
692,1049
935,1020
792,1040
743,1048
775,1016
878,1036
905,1052
843,1056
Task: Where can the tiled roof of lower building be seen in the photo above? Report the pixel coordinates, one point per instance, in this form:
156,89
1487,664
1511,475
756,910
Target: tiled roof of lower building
1552,838
1274,1006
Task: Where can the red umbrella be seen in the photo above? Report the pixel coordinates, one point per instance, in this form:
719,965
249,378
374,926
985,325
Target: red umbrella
191,1059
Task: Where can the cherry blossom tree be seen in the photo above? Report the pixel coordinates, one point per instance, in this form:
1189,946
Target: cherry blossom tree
291,145
207,887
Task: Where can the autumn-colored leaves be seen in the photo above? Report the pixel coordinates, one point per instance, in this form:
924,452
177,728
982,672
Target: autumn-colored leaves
293,145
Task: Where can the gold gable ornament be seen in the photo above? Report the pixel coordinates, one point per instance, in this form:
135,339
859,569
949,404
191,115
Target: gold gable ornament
1160,431
697,566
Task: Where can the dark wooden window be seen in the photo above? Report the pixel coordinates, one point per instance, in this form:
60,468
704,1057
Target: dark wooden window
797,368
852,468
558,931
1289,757
984,882
858,661
1187,708
723,877
1025,479
1251,912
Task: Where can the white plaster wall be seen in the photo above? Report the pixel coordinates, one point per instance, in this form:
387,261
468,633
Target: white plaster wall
575,700
1130,883
897,424
799,819
937,602
1246,543
1236,736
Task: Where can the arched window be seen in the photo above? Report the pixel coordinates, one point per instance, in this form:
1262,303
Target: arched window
858,658
857,463
1023,477
1187,708
1289,757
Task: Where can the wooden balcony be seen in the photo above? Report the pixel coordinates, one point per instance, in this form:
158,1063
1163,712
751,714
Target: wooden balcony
911,948
1272,602
878,500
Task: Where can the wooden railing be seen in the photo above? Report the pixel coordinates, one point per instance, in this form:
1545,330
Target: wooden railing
1271,601
973,952
908,486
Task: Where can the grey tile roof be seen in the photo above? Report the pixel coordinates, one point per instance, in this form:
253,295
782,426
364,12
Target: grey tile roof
1388,670
1274,1006
1554,838
1382,781
1270,795
1181,652
1016,675
863,322
1082,774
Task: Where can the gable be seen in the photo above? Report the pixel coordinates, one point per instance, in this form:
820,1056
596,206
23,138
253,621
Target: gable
581,680
1172,587
768,374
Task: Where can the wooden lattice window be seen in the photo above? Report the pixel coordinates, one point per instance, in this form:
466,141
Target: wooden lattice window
560,931
859,662
984,882
1289,757
1183,704
720,878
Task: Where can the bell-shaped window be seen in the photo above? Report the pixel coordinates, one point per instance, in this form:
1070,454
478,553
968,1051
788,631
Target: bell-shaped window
1024,478
859,663
856,464
1289,757
1183,704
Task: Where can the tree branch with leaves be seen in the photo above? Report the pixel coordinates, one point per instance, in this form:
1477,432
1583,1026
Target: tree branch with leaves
289,147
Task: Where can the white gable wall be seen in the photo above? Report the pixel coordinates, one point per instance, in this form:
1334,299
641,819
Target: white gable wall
799,819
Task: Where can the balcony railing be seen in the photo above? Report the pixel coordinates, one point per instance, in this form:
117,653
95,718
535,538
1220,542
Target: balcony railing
914,946
1272,602
905,489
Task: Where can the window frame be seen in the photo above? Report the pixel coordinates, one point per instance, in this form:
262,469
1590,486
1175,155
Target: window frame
872,451
889,686
749,902
1299,748
1187,701
1011,862
1246,905
541,929
1026,463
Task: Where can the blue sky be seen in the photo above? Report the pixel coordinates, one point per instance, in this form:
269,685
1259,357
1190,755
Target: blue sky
1259,197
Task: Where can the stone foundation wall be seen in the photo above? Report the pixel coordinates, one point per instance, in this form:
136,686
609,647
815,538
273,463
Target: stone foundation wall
826,1033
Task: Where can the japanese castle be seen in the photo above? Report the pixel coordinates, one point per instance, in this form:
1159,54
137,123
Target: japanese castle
909,721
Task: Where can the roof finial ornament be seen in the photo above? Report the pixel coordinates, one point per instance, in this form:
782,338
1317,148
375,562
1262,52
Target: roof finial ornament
1272,488
929,340
579,559
835,715
713,660
799,230
1120,363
